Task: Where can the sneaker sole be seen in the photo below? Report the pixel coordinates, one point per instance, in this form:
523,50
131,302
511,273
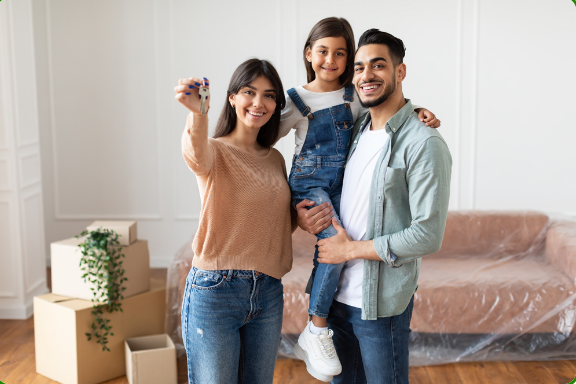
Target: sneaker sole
303,355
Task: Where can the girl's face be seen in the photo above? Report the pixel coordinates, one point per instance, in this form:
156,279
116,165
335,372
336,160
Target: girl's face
328,57
255,103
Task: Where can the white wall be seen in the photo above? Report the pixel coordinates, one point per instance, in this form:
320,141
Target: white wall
498,74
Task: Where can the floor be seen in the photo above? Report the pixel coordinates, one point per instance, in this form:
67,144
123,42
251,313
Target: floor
17,364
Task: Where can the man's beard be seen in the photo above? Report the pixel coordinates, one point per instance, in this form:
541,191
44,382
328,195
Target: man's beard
390,89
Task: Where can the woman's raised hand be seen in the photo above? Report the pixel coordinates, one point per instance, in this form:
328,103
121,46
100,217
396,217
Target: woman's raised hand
187,93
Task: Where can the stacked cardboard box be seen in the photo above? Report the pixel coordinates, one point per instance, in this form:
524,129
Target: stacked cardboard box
62,318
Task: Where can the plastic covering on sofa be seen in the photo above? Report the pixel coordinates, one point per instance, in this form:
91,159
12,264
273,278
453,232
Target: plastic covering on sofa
501,288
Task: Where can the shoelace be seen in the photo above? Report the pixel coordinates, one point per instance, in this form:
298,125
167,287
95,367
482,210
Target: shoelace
326,345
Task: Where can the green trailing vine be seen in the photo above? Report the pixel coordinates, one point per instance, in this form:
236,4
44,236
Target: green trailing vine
102,265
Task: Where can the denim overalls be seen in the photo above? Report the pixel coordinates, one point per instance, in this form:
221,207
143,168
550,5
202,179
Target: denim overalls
317,174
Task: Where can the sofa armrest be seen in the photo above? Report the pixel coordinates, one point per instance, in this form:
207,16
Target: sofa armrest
561,246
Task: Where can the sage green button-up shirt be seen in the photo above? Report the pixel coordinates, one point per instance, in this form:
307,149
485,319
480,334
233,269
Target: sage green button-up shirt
408,204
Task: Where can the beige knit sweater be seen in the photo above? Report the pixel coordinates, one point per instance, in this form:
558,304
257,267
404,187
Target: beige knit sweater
245,222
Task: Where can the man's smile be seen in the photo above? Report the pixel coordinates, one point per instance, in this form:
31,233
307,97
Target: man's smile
369,88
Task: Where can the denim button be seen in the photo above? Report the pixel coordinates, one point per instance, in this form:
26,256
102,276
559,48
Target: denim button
298,170
300,158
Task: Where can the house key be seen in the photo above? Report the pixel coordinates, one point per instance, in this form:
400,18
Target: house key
203,93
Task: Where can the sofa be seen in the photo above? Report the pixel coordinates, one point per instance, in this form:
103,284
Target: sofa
502,287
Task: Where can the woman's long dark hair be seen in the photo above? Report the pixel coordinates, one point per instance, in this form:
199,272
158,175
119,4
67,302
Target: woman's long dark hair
246,73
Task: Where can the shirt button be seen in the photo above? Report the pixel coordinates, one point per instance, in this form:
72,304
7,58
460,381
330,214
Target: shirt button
355,141
380,197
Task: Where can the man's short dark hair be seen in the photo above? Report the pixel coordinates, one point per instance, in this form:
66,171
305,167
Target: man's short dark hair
395,45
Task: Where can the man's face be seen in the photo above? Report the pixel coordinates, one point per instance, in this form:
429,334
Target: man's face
374,75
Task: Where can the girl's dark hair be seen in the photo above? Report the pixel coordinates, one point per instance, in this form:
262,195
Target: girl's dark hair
332,27
246,73
395,46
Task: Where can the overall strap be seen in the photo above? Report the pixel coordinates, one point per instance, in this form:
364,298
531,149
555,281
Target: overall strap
348,93
303,108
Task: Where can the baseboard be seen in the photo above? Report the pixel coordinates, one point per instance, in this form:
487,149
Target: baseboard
17,313
160,261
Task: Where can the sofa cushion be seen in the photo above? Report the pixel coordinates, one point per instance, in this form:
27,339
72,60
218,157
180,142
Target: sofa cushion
505,296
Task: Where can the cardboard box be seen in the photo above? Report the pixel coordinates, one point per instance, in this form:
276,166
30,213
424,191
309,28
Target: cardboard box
126,230
67,276
64,354
151,360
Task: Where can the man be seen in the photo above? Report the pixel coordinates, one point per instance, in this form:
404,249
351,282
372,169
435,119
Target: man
394,207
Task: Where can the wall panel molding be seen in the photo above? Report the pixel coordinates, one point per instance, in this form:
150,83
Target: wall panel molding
465,159
29,174
58,215
21,213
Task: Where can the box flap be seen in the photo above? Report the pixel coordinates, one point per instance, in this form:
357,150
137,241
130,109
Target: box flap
110,223
72,242
53,298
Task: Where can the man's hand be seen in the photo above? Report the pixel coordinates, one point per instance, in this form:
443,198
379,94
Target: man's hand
314,220
335,249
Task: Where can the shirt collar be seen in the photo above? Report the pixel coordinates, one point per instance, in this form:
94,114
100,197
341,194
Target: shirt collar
396,121
400,117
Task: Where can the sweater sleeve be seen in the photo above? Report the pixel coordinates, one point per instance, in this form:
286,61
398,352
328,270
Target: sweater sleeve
196,148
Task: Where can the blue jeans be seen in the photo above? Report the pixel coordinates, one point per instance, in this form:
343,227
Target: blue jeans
317,174
231,323
373,351
324,277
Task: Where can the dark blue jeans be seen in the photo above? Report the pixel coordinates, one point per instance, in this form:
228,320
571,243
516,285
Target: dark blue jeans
231,323
373,351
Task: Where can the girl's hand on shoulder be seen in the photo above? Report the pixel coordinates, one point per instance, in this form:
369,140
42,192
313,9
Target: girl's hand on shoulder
428,118
187,93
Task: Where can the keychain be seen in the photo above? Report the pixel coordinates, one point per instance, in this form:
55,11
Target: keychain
203,93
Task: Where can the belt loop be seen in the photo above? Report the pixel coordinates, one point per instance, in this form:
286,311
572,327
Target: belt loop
229,277
318,161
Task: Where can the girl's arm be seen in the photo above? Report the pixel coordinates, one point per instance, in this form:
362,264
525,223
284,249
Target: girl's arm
427,117
288,118
196,149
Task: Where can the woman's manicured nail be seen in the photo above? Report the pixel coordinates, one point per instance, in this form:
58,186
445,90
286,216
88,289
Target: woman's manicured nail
197,84
191,87
205,79
188,93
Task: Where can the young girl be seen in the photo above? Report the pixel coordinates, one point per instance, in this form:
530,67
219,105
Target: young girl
323,113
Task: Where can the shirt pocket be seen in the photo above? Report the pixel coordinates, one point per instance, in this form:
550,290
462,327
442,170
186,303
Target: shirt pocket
395,187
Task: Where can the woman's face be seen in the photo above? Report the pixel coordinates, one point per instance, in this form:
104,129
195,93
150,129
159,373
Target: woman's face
255,103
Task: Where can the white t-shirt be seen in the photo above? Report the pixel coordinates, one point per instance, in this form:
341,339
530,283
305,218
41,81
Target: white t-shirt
291,117
354,209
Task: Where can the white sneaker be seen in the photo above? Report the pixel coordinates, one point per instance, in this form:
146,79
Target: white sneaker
319,354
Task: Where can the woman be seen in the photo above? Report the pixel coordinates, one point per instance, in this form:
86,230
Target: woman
233,301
